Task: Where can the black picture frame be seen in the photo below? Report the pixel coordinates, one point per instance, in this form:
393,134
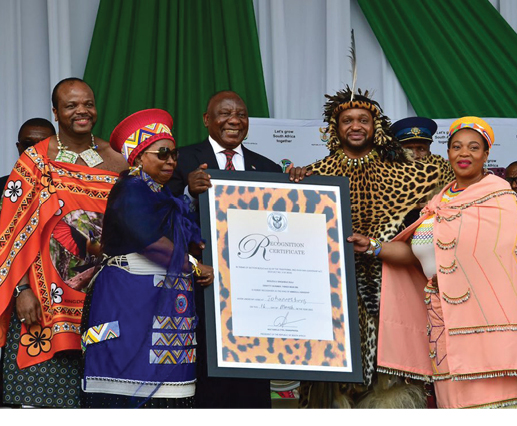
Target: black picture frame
232,189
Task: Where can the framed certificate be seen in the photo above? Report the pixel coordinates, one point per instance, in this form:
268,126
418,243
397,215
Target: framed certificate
283,304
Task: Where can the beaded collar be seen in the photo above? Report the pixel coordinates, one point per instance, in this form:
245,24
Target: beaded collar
155,186
454,188
451,192
139,173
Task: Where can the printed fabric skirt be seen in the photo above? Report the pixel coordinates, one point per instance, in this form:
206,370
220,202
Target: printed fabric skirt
497,392
55,383
138,336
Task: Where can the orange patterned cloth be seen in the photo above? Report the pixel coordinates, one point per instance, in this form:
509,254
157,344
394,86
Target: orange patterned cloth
44,197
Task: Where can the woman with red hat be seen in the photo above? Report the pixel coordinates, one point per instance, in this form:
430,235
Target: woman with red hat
138,330
449,296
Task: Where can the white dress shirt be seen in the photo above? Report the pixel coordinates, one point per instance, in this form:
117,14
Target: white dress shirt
237,160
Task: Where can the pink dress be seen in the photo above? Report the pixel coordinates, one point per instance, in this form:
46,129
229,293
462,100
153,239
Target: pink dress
490,387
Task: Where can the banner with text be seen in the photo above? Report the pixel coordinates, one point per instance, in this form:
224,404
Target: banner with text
302,142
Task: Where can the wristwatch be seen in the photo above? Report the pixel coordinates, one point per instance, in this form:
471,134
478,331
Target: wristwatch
19,288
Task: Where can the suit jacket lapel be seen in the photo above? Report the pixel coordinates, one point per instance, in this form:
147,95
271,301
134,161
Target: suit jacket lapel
205,154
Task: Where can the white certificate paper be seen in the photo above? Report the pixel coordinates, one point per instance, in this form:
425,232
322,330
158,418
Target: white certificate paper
279,276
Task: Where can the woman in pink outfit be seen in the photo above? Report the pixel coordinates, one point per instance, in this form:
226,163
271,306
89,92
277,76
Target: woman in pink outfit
449,284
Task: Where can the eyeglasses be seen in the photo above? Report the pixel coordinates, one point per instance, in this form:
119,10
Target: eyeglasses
164,153
511,180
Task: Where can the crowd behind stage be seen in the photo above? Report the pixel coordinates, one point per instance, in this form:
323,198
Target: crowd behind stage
102,285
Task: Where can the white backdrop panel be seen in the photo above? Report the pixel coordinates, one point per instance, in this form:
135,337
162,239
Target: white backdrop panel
302,142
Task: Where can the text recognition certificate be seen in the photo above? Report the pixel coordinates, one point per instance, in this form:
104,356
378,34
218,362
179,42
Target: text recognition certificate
279,274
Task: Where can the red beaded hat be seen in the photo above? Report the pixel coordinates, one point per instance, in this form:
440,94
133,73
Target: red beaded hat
136,132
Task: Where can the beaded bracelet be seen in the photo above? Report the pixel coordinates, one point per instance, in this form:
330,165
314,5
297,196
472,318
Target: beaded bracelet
195,268
375,247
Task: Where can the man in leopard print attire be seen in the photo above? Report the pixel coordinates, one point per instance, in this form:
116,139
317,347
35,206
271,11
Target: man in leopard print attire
385,184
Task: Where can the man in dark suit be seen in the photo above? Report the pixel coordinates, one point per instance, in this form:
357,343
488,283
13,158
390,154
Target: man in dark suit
226,119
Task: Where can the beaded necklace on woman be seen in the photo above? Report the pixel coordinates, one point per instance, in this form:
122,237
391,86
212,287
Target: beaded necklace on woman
139,173
424,233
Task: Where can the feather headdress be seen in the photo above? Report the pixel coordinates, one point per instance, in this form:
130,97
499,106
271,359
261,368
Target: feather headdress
386,145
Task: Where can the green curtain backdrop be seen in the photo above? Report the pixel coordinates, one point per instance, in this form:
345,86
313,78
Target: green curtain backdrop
452,57
173,54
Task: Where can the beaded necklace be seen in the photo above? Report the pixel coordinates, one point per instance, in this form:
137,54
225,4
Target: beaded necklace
155,186
424,233
451,192
138,172
352,163
90,156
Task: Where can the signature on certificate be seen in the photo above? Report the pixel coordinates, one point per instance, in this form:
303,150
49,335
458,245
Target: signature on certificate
281,321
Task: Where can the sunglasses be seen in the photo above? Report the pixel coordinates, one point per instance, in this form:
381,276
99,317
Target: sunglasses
164,153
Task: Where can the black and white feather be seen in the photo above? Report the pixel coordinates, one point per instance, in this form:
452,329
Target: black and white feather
353,63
